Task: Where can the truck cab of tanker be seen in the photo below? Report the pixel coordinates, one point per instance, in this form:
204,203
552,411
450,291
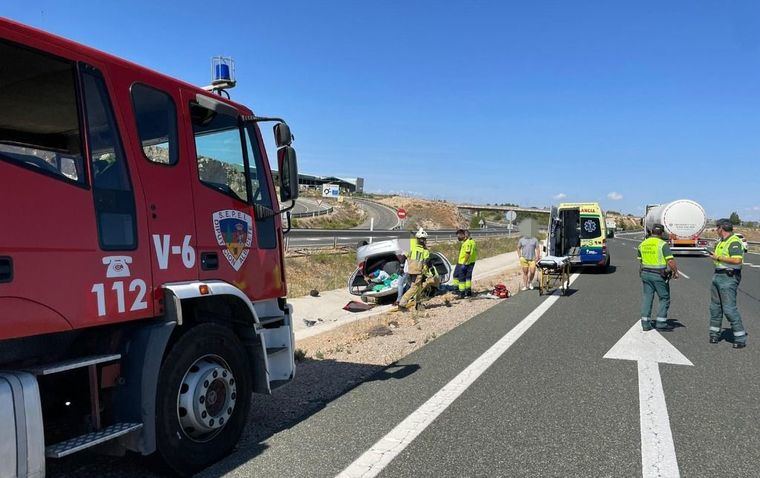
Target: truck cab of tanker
579,231
142,280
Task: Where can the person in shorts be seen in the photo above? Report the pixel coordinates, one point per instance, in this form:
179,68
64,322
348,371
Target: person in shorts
529,252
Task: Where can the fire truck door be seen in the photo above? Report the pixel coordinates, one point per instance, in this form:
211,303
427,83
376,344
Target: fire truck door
164,167
267,221
229,245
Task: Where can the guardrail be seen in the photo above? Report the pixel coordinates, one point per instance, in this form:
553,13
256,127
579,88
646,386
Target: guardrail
332,239
321,212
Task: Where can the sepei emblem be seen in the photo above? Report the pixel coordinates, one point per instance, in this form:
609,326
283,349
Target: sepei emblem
234,231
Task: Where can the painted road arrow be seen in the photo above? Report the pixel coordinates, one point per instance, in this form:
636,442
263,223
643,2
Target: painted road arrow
649,349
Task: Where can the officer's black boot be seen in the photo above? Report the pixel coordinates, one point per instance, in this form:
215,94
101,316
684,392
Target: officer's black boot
714,340
740,345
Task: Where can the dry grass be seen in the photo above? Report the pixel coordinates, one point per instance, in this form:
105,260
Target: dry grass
487,247
321,271
345,216
752,235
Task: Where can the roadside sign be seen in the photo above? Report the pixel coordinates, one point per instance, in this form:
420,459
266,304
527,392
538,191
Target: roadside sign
510,216
330,191
319,202
401,213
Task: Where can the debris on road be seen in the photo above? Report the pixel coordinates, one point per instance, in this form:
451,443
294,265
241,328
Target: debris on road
355,306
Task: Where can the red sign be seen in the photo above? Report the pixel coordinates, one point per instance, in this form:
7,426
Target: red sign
401,213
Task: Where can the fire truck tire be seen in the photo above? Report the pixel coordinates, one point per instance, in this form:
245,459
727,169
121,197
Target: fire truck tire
203,398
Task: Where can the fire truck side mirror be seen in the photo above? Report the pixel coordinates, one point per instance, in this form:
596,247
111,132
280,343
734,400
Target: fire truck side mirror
288,166
282,135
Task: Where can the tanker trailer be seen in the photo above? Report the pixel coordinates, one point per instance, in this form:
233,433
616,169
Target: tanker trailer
684,220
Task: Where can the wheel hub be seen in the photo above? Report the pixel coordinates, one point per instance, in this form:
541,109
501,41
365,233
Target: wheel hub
206,398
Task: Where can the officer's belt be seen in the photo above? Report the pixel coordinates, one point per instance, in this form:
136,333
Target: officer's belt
652,270
730,272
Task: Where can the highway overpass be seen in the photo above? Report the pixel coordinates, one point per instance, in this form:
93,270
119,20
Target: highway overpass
481,207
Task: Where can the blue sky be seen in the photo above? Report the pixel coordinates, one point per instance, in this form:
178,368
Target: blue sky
625,103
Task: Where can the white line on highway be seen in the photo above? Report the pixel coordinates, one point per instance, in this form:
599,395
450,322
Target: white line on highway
649,349
374,460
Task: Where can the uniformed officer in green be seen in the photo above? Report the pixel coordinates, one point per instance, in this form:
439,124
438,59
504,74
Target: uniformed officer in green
728,258
657,268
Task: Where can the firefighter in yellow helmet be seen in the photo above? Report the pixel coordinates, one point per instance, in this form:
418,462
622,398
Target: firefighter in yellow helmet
421,274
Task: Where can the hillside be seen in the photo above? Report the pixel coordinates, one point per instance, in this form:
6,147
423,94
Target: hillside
345,215
625,223
425,213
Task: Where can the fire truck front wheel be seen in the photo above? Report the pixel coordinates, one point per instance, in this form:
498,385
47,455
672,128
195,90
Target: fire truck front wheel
203,398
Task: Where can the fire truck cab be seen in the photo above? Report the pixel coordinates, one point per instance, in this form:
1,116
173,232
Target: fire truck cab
142,276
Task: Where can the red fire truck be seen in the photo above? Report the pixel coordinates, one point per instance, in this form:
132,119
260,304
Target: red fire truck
141,259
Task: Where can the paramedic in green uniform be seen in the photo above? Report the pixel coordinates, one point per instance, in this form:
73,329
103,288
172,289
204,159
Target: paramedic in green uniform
657,267
468,254
727,258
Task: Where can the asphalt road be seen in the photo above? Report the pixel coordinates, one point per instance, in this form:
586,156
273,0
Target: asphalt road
385,217
551,405
305,205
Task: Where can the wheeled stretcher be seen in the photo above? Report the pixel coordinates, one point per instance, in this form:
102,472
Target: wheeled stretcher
554,274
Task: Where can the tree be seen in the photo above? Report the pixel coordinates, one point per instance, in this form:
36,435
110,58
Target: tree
735,219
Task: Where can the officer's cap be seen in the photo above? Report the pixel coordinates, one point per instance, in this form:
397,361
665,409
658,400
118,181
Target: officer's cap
724,224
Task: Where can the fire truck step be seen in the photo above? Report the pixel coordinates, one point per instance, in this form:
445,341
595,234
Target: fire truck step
73,445
274,350
269,321
66,365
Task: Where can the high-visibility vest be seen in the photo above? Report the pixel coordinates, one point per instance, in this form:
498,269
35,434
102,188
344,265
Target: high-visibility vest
468,246
418,255
723,249
652,256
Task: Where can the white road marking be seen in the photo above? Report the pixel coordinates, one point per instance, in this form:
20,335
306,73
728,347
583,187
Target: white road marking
374,460
648,349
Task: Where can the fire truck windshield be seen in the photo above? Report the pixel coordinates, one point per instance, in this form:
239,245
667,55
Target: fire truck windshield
219,152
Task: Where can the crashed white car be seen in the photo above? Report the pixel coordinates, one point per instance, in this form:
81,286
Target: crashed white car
385,256
745,244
